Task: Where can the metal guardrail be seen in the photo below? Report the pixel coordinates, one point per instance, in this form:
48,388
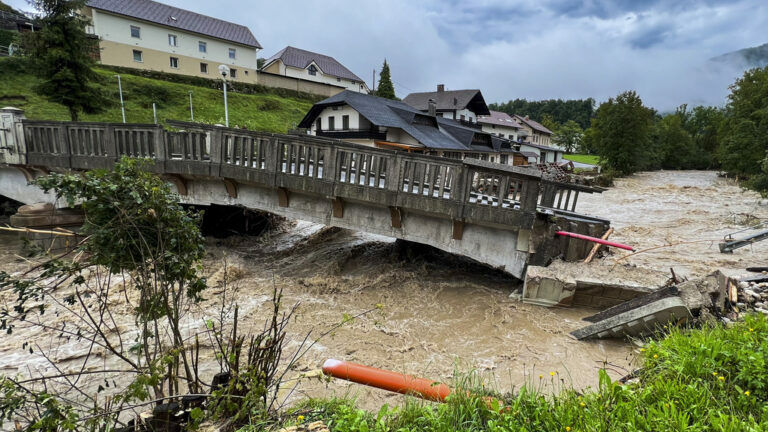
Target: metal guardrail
470,190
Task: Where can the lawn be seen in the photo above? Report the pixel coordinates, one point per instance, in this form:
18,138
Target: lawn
582,158
265,112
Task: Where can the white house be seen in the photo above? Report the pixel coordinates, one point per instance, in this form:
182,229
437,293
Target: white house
311,66
144,34
535,131
501,124
461,105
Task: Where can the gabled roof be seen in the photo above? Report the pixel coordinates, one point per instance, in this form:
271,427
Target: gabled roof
533,124
499,118
450,100
301,59
159,13
432,132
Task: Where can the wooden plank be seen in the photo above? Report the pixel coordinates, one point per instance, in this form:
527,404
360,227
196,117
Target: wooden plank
597,246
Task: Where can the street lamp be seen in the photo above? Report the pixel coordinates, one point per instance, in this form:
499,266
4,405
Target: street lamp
120,87
191,110
224,71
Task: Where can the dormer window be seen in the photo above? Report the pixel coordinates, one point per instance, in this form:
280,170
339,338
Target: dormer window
312,70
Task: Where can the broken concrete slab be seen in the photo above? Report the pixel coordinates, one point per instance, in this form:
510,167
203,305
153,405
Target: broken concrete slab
594,285
634,303
638,322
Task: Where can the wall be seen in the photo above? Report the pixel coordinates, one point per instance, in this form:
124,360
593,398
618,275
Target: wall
338,113
117,47
279,81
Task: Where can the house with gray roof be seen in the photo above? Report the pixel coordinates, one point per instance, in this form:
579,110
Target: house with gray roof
311,66
145,34
460,105
502,125
535,131
377,122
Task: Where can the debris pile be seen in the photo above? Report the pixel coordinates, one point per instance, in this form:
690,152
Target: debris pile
752,294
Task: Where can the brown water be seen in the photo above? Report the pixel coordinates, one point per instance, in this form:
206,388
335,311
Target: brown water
438,313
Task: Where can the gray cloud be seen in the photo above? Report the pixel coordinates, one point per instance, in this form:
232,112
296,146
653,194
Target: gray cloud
524,48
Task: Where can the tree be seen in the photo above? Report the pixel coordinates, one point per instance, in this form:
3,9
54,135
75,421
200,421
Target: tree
386,88
745,127
61,53
549,122
579,110
568,136
621,133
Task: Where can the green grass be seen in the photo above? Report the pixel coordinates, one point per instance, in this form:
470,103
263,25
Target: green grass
583,158
265,112
713,378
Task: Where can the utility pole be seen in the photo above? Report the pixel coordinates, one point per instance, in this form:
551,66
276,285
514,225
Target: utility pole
191,110
224,71
154,112
373,87
120,87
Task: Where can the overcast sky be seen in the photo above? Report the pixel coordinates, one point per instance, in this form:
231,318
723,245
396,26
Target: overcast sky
534,49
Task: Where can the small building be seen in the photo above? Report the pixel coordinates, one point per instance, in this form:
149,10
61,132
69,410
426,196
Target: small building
500,124
535,132
311,66
463,106
144,34
377,122
537,153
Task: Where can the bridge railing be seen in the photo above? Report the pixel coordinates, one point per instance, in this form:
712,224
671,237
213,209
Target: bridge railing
470,190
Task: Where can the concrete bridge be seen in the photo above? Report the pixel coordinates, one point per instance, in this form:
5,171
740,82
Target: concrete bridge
499,215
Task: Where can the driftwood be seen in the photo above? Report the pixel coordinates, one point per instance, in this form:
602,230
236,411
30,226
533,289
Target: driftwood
597,246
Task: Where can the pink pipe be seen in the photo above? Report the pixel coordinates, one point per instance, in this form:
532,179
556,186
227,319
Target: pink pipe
595,240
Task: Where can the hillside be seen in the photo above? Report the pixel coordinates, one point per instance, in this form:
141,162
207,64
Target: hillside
745,58
269,111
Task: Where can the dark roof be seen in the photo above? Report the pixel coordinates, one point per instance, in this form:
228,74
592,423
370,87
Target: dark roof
533,124
500,119
448,100
300,58
432,132
529,154
543,147
163,14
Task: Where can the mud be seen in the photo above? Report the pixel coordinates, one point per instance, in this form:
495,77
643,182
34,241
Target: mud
432,313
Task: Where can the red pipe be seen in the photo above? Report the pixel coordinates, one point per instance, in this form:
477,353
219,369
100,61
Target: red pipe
596,240
387,380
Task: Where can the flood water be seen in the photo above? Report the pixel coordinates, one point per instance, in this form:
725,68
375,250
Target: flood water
434,313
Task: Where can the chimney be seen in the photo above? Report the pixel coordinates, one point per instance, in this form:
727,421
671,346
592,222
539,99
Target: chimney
527,118
432,107
441,87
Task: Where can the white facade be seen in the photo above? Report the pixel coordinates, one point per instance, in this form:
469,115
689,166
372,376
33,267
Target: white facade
545,155
280,68
338,113
501,131
117,29
457,115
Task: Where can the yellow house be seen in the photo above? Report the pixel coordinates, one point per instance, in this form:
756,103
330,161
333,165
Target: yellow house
145,34
535,131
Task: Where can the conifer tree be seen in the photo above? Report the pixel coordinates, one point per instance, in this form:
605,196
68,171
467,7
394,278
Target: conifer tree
61,54
386,89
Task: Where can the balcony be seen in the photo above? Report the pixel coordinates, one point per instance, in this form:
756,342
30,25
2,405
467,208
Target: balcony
470,124
353,134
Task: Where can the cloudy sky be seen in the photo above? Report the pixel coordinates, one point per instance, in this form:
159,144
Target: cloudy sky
534,49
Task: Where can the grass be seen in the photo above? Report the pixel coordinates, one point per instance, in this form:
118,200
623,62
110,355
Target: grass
713,378
265,112
582,158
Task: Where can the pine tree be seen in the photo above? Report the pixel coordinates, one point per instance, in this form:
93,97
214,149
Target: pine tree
386,89
61,54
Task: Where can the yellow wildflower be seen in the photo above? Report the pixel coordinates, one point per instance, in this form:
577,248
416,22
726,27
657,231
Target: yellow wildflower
655,356
751,329
746,392
642,349
714,373
541,376
721,378
567,429
582,404
551,374
300,418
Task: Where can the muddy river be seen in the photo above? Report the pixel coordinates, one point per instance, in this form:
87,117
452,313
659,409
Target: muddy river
435,313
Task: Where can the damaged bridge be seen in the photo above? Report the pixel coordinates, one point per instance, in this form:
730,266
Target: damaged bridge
499,215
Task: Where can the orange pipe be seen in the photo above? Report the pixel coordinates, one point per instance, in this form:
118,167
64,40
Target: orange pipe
387,380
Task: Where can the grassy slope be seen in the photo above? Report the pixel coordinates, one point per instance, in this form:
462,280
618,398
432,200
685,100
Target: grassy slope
713,378
264,112
582,158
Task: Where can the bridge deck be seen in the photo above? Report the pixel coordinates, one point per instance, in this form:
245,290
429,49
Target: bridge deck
464,193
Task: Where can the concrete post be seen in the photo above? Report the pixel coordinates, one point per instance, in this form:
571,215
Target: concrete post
13,149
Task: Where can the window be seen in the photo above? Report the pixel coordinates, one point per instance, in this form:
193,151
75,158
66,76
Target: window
462,117
319,124
232,53
503,159
493,159
312,70
175,62
331,123
246,73
501,135
338,79
233,73
204,68
138,56
202,47
345,122
172,40
135,32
